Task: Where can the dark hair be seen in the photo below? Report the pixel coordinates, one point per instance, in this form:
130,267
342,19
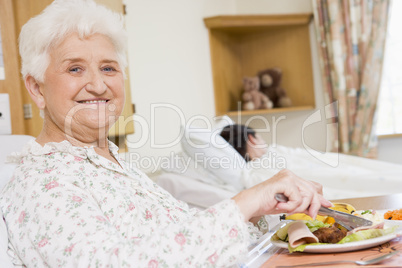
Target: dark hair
237,136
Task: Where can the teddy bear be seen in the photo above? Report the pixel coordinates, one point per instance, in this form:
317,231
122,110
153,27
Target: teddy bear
252,97
270,85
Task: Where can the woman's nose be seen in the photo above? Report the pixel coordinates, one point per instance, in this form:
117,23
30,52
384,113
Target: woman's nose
95,84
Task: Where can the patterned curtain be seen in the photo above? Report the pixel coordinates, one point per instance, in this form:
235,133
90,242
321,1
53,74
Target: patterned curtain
351,37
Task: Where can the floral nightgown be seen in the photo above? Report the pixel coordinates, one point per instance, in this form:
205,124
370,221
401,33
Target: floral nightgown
67,206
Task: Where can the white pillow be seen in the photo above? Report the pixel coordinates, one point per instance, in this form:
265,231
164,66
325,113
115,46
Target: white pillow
221,122
208,149
184,165
6,172
5,259
10,144
193,192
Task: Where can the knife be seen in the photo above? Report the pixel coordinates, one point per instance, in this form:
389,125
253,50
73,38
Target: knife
347,220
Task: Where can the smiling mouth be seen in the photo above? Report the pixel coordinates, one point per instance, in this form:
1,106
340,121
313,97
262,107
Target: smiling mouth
93,101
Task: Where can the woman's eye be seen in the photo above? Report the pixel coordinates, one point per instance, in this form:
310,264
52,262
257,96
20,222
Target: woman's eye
108,69
75,69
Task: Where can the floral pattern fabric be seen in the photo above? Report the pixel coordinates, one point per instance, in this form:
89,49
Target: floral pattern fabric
67,206
351,37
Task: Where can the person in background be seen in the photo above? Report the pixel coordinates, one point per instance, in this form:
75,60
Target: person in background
245,140
72,202
252,147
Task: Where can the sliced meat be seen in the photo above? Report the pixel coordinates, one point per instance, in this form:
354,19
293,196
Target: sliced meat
299,234
375,226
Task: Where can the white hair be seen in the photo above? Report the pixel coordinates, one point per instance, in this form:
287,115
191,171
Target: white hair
57,21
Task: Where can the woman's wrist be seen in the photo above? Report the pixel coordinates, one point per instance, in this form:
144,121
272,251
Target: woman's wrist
247,203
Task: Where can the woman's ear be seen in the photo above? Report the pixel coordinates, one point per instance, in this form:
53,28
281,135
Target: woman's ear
34,91
252,139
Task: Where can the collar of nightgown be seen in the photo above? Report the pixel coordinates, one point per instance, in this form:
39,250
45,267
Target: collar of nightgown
87,152
34,148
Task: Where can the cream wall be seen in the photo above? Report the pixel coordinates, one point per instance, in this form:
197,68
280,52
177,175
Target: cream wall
170,63
273,6
389,149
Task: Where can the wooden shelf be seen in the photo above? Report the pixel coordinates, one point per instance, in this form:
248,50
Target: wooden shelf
270,111
243,45
248,22
389,136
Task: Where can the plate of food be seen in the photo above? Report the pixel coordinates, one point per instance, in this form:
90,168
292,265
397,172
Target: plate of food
324,235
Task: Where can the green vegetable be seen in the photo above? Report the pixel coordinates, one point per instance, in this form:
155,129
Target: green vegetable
282,233
314,225
301,247
366,212
367,234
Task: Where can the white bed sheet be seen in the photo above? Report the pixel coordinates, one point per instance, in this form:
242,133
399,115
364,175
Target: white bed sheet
351,177
348,176
194,192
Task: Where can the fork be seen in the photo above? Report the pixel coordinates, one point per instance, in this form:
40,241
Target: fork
367,262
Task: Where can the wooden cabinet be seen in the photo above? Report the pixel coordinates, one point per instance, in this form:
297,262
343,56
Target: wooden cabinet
13,15
243,45
11,84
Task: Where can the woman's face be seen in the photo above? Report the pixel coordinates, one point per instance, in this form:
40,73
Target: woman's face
83,88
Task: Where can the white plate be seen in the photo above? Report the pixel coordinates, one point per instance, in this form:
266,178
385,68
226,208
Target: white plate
351,246
383,211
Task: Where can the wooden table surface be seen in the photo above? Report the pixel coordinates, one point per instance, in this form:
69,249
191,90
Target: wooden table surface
375,202
394,201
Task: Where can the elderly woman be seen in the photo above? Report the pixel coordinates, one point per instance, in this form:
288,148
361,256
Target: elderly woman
73,203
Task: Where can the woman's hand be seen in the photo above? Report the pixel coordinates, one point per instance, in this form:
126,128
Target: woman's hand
304,196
